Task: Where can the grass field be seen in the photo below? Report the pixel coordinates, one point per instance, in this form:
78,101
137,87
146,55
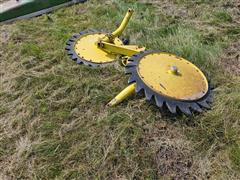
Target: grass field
54,123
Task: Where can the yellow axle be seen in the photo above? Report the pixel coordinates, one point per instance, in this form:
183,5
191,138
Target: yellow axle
123,95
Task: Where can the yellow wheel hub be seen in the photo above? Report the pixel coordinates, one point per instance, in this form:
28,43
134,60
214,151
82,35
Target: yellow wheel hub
86,48
172,76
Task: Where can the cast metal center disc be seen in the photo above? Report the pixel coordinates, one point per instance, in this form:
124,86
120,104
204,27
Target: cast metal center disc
172,76
87,49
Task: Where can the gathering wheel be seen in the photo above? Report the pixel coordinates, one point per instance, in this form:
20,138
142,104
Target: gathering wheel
170,80
83,49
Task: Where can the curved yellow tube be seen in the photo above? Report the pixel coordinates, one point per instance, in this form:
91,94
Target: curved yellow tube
123,25
120,29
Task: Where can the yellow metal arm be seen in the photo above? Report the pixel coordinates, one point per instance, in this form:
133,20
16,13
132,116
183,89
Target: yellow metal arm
120,29
107,43
127,50
123,95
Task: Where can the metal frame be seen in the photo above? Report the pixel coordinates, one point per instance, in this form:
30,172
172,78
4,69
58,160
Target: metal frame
22,9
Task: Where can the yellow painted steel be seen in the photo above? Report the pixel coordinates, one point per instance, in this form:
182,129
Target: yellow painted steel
86,47
123,95
164,73
127,50
120,29
172,76
123,25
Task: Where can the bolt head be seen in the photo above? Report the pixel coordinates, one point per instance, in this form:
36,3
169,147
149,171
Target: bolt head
174,69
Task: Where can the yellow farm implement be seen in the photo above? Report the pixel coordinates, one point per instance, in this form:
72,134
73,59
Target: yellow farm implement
170,80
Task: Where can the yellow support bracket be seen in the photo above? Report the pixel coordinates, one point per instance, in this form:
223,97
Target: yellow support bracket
107,44
126,50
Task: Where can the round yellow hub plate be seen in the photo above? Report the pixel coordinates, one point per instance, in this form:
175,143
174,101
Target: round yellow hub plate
172,76
87,49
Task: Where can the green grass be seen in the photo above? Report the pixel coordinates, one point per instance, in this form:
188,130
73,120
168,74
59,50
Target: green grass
235,155
54,123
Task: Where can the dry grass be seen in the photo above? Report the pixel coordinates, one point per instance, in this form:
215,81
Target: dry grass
231,59
53,120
